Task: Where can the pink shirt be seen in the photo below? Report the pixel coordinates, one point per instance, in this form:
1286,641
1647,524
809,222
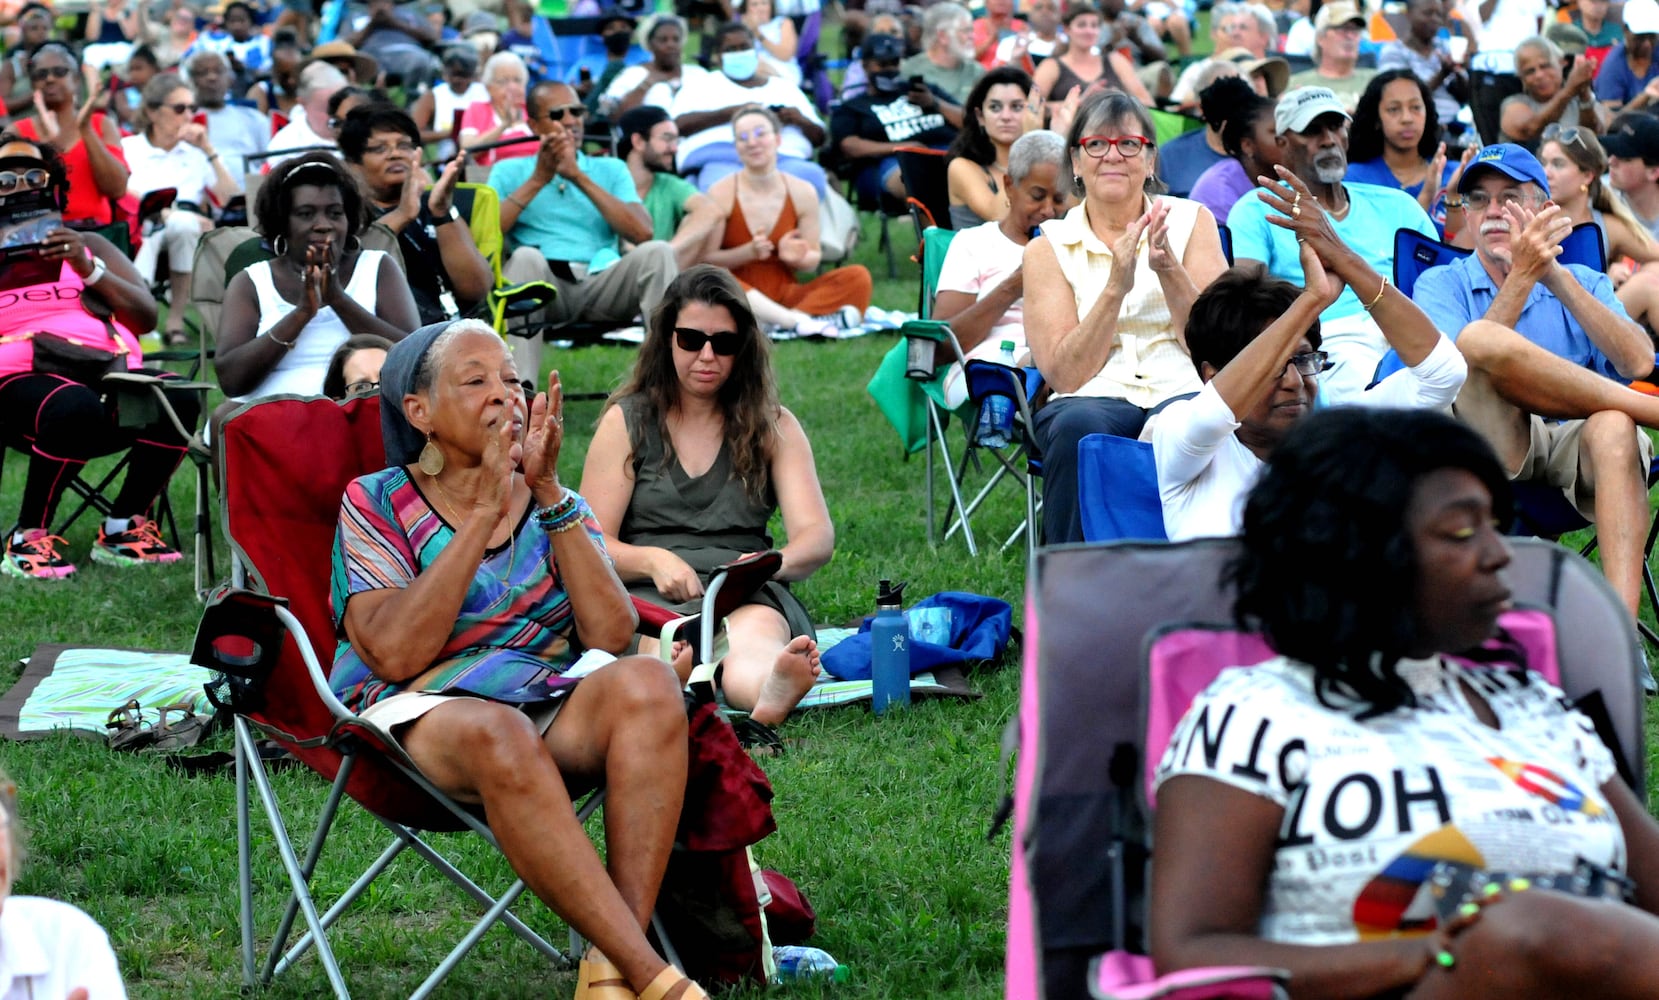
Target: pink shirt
56,308
480,118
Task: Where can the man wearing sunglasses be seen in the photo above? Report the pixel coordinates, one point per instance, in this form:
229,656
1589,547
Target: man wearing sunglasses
565,215
1550,365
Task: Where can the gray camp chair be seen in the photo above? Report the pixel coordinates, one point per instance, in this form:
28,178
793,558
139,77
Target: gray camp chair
1082,835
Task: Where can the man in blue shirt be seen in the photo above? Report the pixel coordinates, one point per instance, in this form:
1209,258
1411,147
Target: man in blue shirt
1627,70
1550,351
562,212
1313,143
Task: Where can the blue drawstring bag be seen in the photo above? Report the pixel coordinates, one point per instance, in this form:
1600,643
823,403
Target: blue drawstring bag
978,630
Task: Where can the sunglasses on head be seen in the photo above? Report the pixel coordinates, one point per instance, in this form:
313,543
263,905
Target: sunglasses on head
9,179
49,73
724,343
1569,136
573,110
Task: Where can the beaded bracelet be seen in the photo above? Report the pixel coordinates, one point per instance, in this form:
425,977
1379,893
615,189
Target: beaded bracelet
561,516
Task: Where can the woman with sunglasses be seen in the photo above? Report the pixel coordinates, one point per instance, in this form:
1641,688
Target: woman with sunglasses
692,457
501,117
1107,290
1574,164
90,142
771,233
173,151
82,290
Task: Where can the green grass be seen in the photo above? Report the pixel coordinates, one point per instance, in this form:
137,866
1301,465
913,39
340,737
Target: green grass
881,822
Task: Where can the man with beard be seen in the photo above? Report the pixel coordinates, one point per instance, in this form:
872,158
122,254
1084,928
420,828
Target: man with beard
947,59
1312,128
1337,31
870,128
1550,352
679,213
235,131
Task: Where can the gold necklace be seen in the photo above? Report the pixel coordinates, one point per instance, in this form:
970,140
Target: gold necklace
512,547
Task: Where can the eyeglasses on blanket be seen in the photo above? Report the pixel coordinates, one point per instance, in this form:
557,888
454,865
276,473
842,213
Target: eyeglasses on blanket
691,341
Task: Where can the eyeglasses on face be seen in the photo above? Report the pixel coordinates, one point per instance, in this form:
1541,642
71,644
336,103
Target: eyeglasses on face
724,343
366,387
1308,365
1128,146
573,110
177,109
404,148
9,180
754,134
45,73
1478,201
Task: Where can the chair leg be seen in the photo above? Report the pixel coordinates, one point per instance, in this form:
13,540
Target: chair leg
952,478
887,245
245,751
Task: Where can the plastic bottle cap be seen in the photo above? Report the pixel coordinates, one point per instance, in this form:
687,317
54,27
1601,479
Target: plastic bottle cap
1008,345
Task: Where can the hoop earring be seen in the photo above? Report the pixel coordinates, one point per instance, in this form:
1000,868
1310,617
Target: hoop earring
354,238
280,246
431,460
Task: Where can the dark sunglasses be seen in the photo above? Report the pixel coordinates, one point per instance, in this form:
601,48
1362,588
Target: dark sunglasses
691,341
49,73
177,109
29,178
573,110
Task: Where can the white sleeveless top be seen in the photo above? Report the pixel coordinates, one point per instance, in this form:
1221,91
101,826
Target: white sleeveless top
445,102
1148,364
301,370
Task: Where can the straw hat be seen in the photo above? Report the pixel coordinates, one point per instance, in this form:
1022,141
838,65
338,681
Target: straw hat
365,66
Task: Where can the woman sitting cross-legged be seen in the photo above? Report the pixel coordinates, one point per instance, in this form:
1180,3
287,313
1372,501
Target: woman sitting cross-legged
772,232
688,465
284,318
1308,805
466,579
59,421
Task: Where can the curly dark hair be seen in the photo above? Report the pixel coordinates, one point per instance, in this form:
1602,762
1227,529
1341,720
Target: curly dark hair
1328,566
1232,107
748,399
275,202
972,141
1234,309
56,171
1365,136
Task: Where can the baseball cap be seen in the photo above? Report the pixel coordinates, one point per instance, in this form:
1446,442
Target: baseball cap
1569,38
1641,17
1508,159
1298,108
479,21
1346,12
1635,138
883,47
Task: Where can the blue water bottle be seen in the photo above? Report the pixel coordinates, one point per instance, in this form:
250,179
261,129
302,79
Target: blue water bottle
890,649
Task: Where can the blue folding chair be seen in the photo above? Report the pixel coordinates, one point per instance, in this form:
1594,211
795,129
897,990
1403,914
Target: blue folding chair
1117,490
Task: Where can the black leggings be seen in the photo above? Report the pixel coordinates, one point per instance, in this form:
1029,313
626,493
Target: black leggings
61,424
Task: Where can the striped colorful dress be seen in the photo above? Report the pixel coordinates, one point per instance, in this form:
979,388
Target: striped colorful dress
512,639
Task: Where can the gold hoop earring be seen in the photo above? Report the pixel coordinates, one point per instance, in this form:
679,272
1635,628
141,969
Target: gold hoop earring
431,460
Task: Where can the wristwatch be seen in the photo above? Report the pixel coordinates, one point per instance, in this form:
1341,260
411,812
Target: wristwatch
444,220
1454,201
98,272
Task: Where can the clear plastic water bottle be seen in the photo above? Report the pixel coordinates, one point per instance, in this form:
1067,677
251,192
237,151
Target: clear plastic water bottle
800,962
996,413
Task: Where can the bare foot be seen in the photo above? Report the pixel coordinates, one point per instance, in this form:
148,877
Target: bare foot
792,677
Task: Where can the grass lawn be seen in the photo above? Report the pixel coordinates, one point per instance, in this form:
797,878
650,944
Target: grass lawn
882,822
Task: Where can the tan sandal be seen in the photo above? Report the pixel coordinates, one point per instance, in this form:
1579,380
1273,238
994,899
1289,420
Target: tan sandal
598,979
669,978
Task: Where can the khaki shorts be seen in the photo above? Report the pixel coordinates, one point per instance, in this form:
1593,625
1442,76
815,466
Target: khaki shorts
1552,457
393,714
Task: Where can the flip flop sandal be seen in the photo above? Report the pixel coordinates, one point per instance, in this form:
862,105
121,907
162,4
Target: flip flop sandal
669,978
187,732
758,738
598,979
127,729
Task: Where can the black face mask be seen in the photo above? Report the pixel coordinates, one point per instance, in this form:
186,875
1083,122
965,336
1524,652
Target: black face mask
888,83
617,42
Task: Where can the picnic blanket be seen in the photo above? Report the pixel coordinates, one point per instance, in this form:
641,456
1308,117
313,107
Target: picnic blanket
75,688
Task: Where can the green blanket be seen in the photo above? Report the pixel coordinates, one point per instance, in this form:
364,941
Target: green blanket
75,688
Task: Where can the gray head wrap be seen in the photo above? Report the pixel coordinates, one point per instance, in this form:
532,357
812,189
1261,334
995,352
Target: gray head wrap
397,379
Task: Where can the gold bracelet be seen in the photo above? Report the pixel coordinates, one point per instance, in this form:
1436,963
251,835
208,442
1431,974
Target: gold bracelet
1373,303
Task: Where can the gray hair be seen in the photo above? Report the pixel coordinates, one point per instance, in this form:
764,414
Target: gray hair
437,354
1233,8
943,17
205,56
1551,51
317,78
503,60
1033,149
1108,107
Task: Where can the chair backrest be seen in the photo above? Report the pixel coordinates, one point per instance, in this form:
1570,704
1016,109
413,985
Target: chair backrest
1226,242
1117,490
935,243
225,252
284,464
1079,821
925,181
480,205
1167,125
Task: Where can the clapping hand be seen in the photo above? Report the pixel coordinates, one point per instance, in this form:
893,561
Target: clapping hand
1158,254
1126,250
793,248
762,246
1534,240
94,87
1322,286
442,198
1300,213
319,281
544,436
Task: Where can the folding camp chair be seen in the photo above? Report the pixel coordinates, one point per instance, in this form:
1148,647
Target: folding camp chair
926,186
1081,824
1117,490
815,79
1539,509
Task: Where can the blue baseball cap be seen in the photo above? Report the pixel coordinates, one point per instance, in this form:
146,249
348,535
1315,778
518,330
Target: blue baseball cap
1508,159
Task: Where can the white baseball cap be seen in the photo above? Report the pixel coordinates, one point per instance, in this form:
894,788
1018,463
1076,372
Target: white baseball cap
1298,108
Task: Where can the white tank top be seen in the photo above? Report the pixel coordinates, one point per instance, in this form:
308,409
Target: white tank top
445,102
301,370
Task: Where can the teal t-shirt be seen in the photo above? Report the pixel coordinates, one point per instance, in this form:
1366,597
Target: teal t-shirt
665,204
561,221
1375,213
